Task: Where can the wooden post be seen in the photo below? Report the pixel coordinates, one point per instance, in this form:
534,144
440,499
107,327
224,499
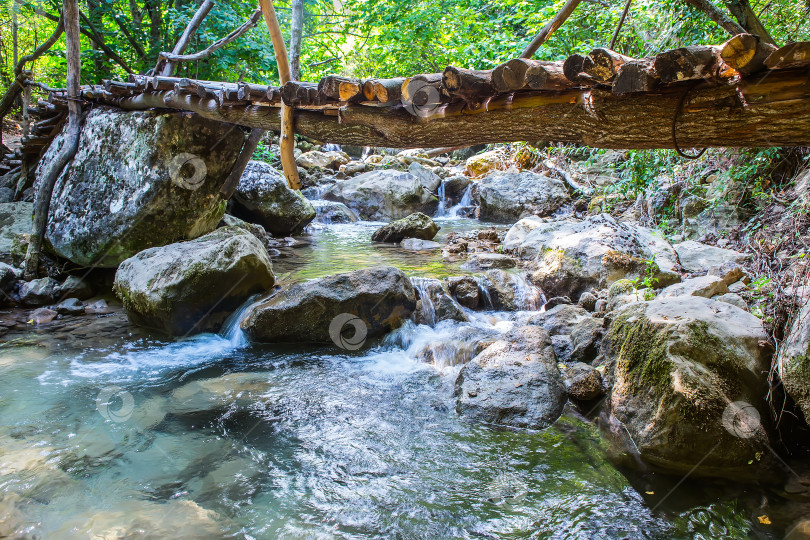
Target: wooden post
51,174
550,27
287,138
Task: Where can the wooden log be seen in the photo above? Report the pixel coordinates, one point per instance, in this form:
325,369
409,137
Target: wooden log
340,88
746,53
688,64
605,65
299,93
511,76
471,86
418,86
635,76
383,90
574,68
251,92
547,76
790,56
775,112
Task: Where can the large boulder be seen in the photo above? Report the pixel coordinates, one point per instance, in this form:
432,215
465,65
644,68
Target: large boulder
514,382
15,219
794,361
575,334
383,195
138,180
263,197
371,301
193,286
508,196
568,256
697,257
331,212
416,225
689,385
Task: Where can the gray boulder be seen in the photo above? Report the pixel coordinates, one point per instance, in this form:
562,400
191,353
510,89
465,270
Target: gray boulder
436,303
331,212
465,290
506,196
8,277
372,301
193,286
416,225
513,382
263,197
427,178
689,385
138,180
697,257
569,256
705,286
575,334
794,361
15,219
583,382
383,195
38,292
508,291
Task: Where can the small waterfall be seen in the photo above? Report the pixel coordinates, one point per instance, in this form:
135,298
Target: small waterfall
527,296
442,211
464,203
329,147
483,290
366,152
231,329
422,286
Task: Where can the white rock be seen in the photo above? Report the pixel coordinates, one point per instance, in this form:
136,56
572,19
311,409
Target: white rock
705,286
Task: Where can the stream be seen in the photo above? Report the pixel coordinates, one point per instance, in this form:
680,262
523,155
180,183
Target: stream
340,445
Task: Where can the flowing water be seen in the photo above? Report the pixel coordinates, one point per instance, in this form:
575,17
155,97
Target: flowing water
209,437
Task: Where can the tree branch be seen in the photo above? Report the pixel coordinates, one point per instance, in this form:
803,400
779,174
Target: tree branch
205,53
60,27
550,27
185,38
723,20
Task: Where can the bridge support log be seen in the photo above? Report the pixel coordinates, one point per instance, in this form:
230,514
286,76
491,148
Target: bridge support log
769,111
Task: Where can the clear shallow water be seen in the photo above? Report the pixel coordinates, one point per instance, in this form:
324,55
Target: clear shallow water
210,437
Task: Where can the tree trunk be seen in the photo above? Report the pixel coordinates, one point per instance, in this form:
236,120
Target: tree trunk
473,87
742,11
232,182
383,90
340,88
775,112
604,65
296,34
636,76
794,55
746,53
550,27
70,10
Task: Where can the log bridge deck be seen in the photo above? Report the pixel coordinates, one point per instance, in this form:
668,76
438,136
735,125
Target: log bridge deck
743,93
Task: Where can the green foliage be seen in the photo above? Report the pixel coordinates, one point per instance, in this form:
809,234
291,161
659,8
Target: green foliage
648,281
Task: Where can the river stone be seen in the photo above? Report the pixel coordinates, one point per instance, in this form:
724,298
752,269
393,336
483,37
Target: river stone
324,160
383,195
139,180
331,212
514,382
456,185
15,218
583,382
381,298
510,292
193,286
231,391
508,196
465,290
417,244
494,260
417,225
8,277
705,286
582,333
70,306
733,299
263,197
794,361
571,256
38,292
675,365
436,303
697,257
427,178
254,229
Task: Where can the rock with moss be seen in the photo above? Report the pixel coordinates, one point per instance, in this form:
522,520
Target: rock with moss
139,180
383,195
336,309
794,361
513,382
193,286
254,229
681,370
416,225
15,219
568,256
705,286
263,197
508,196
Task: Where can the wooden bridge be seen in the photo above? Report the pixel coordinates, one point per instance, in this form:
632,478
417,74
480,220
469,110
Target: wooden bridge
743,93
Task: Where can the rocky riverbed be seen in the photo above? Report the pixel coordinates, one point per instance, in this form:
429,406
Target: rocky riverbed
465,346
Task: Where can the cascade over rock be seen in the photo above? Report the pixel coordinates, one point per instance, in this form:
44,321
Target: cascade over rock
138,180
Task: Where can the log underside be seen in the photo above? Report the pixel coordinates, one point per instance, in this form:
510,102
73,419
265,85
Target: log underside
774,111
741,93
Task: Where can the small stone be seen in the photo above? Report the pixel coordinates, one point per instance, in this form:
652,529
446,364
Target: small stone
42,316
600,306
416,225
737,287
583,382
557,301
733,299
99,307
38,292
74,287
494,260
466,291
416,244
730,272
71,306
588,301
705,286
490,235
